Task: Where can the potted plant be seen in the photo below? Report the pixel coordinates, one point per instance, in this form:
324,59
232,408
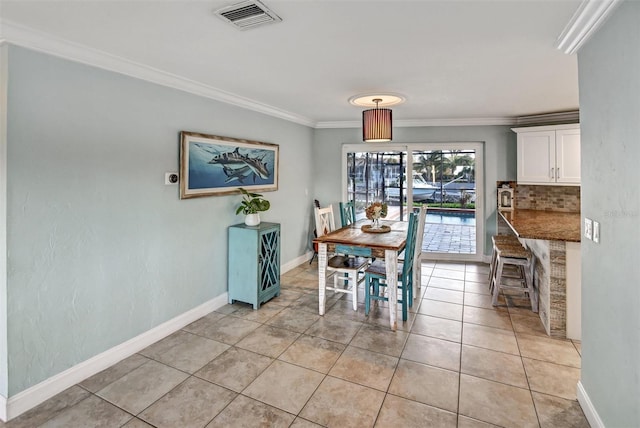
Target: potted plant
250,206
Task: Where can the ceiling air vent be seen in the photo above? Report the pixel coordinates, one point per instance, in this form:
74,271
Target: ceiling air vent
247,14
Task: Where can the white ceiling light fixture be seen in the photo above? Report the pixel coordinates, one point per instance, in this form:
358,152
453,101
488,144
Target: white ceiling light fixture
377,123
247,14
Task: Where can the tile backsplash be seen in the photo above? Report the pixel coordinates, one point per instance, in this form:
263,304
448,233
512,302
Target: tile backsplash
548,198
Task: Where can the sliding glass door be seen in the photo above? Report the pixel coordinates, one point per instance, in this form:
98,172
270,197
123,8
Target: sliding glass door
442,176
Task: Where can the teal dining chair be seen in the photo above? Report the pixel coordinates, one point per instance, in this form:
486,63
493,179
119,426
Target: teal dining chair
347,213
375,274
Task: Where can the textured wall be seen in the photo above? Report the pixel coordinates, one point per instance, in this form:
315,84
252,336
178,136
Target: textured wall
609,76
499,159
100,250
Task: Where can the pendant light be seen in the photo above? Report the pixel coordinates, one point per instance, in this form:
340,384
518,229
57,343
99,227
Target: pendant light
376,124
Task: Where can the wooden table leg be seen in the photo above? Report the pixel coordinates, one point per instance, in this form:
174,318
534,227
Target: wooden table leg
322,276
391,265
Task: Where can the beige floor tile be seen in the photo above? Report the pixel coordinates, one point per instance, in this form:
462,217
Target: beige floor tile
344,308
113,373
247,413
490,338
207,322
477,267
380,316
338,403
444,295
284,386
449,284
192,353
493,365
477,287
496,403
465,422
482,301
497,318
230,330
267,340
50,408
135,391
265,313
160,347
336,329
441,272
310,302
303,423
92,411
557,412
432,351
439,309
192,404
137,423
294,320
365,368
549,349
528,325
451,265
229,308
313,353
578,346
429,385
234,369
286,297
552,379
380,339
479,277
397,411
438,327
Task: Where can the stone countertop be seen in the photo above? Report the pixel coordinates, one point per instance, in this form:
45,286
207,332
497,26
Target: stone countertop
547,225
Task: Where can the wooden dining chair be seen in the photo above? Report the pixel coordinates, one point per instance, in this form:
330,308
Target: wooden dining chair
417,256
347,213
347,269
376,274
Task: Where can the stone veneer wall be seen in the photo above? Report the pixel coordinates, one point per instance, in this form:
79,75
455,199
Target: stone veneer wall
548,198
549,280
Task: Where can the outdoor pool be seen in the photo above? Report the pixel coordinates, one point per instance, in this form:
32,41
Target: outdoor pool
463,218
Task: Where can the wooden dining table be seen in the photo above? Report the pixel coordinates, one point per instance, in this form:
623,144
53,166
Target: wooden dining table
382,246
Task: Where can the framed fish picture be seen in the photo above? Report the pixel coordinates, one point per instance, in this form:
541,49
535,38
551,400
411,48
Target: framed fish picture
211,165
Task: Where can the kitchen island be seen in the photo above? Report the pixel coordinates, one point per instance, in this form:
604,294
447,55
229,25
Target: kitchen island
554,239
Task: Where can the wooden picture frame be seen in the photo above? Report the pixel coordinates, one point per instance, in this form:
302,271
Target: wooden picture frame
211,165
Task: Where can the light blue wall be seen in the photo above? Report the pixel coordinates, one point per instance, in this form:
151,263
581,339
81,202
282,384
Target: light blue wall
99,249
499,158
609,76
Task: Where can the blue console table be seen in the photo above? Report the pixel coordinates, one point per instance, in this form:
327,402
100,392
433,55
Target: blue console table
254,263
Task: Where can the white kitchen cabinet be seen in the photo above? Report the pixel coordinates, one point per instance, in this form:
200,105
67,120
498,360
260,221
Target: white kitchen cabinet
549,155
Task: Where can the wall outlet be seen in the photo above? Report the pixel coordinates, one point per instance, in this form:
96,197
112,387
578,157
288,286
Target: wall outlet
588,228
171,178
596,232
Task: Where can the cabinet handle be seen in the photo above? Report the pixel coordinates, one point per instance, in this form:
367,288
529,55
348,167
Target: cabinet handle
552,176
557,173
260,258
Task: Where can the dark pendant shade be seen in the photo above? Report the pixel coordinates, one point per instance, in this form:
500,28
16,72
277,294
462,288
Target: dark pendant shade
376,125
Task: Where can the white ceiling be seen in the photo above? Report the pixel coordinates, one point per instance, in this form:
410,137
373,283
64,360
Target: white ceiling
466,60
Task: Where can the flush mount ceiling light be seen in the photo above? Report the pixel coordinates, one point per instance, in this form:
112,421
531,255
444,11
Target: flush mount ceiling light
376,122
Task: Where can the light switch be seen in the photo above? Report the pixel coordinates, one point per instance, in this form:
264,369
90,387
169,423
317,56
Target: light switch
588,228
596,232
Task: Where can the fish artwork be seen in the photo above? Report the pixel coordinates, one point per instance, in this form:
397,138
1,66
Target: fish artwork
237,166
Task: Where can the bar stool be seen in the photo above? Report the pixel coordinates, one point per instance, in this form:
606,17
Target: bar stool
504,240
522,259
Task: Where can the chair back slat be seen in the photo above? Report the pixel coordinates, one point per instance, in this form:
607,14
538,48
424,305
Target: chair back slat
347,213
407,265
325,222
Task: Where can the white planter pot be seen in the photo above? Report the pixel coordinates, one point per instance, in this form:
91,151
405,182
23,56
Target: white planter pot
252,219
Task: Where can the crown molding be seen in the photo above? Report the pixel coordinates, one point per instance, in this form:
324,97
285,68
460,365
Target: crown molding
549,118
35,40
584,23
414,123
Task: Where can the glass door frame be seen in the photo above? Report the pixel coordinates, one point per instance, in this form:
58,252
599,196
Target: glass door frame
410,148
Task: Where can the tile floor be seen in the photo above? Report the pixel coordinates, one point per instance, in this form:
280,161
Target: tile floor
457,361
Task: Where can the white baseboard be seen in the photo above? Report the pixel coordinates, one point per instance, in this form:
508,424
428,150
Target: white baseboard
587,407
46,389
295,262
